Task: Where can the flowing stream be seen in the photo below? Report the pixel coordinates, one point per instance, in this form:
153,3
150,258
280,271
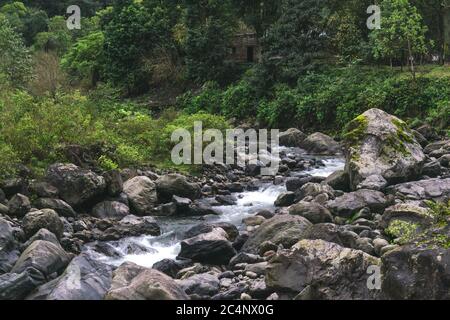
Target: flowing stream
146,250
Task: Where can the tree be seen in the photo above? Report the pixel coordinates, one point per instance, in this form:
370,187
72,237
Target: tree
259,14
210,26
402,30
15,62
132,31
297,41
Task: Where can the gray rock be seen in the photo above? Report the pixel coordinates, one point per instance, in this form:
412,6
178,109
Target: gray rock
132,282
8,247
332,271
45,218
339,180
350,203
202,285
211,248
114,183
76,186
422,190
411,273
314,212
131,226
19,205
380,144
44,190
15,286
291,138
141,192
60,206
44,257
319,143
408,212
373,182
285,199
175,184
281,229
42,234
110,209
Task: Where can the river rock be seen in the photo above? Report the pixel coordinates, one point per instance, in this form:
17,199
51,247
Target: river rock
76,186
44,190
45,218
44,257
176,184
201,286
285,199
211,248
350,203
312,190
2,197
437,189
8,247
141,192
114,183
373,182
412,273
19,205
132,282
42,234
131,226
171,267
283,230
110,209
61,207
380,144
409,212
16,286
83,279
339,180
291,138
327,269
321,144
314,212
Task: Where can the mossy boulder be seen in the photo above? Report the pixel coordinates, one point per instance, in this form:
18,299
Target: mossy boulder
378,143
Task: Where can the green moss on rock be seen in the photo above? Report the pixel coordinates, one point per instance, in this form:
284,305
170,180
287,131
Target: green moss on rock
355,130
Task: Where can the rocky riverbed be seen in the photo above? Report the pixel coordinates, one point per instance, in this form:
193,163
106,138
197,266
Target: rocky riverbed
337,213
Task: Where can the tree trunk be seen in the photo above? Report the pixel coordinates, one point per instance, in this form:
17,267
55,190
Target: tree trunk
411,60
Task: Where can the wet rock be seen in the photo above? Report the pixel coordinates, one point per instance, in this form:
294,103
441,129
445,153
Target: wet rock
438,149
350,203
428,132
45,218
227,200
132,282
76,186
44,257
285,199
61,207
110,209
333,272
281,229
265,214
411,273
291,138
314,212
12,186
312,190
212,248
433,169
141,192
15,286
171,267
131,226
19,205
245,258
44,190
175,184
42,234
319,143
380,144
165,210
83,279
253,221
2,197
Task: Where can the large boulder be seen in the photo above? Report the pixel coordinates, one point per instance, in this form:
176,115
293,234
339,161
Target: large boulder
412,273
437,189
283,230
176,185
45,218
110,209
16,286
76,186
312,211
321,144
131,226
338,180
8,247
380,144
350,203
316,269
409,212
60,206
83,279
291,138
211,248
43,257
141,192
132,282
